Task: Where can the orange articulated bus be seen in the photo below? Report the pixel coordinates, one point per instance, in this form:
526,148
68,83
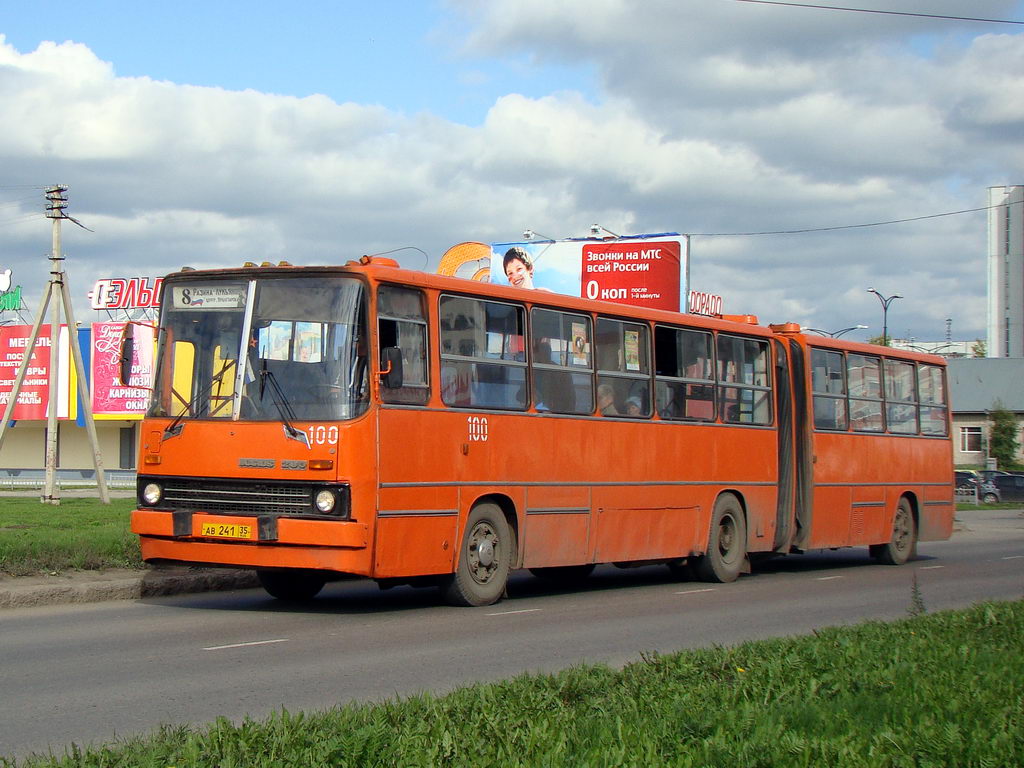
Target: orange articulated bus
316,422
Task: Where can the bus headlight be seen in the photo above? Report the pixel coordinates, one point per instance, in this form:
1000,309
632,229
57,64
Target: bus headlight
152,493
325,501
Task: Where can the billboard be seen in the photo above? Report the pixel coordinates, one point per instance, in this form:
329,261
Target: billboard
640,270
34,397
112,399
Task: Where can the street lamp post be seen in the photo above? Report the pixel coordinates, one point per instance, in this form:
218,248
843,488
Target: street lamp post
886,301
836,334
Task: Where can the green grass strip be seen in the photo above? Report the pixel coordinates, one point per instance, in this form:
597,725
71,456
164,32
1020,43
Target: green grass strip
77,534
943,689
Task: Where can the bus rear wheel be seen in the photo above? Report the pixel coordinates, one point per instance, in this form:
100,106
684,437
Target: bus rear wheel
727,543
292,586
485,559
903,544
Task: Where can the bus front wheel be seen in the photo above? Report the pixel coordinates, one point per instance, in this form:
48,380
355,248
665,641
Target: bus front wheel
903,544
292,586
485,559
727,544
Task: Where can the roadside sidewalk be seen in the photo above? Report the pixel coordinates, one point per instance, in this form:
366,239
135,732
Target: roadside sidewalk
120,584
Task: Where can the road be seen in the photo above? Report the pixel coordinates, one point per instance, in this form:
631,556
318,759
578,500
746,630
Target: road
93,673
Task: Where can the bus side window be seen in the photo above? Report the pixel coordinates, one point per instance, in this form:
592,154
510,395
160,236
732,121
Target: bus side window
481,353
743,380
624,370
684,387
561,362
864,380
402,325
828,383
932,395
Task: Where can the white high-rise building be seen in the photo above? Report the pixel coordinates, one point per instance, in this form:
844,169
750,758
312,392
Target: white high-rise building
1006,271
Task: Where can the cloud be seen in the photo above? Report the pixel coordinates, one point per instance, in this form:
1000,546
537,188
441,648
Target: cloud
709,118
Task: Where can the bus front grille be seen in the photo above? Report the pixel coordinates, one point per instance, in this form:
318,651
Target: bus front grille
238,498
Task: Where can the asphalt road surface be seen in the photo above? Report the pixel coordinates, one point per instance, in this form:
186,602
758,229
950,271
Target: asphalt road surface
90,674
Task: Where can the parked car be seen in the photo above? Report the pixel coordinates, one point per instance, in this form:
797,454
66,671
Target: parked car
965,480
1005,488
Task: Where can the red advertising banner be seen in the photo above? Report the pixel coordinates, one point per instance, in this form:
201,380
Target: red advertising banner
34,398
640,274
110,397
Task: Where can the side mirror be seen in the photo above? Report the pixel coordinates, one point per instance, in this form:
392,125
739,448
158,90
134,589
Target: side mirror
391,367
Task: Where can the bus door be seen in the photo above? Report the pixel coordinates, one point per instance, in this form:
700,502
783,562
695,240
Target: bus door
786,477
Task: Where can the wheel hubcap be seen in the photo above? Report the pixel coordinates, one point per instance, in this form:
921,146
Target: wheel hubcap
726,536
483,555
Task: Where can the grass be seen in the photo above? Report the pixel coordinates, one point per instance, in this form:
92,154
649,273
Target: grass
943,689
79,533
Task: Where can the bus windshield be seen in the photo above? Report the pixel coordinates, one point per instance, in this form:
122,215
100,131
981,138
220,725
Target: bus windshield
270,349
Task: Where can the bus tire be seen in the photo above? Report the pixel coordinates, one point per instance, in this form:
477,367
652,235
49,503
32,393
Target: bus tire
292,586
727,543
485,559
564,574
902,545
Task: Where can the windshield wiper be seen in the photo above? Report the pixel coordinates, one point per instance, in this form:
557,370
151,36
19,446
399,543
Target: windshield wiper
284,408
174,428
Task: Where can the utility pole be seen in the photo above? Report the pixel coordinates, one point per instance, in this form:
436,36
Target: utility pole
57,292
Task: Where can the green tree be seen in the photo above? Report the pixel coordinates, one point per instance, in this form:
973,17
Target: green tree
1003,443
880,340
979,348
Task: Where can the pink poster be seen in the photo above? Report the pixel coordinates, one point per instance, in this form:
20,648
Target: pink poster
110,396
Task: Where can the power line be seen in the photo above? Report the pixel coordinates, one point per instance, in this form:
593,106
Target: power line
850,226
886,13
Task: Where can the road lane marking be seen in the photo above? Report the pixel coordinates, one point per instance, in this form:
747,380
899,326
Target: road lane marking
245,645
696,591
1013,557
509,613
930,567
827,578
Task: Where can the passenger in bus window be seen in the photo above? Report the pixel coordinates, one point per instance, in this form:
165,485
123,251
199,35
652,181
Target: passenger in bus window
606,400
634,407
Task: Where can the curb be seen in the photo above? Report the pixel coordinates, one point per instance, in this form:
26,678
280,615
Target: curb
101,586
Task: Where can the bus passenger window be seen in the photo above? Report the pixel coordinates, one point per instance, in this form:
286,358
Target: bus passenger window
743,384
864,380
402,324
623,373
932,395
561,362
481,353
684,387
900,397
828,383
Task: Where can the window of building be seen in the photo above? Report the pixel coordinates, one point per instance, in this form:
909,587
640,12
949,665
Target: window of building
970,439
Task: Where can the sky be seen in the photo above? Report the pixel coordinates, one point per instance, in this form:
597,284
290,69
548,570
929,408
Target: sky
209,134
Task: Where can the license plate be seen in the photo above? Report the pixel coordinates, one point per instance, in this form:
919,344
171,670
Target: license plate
226,530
